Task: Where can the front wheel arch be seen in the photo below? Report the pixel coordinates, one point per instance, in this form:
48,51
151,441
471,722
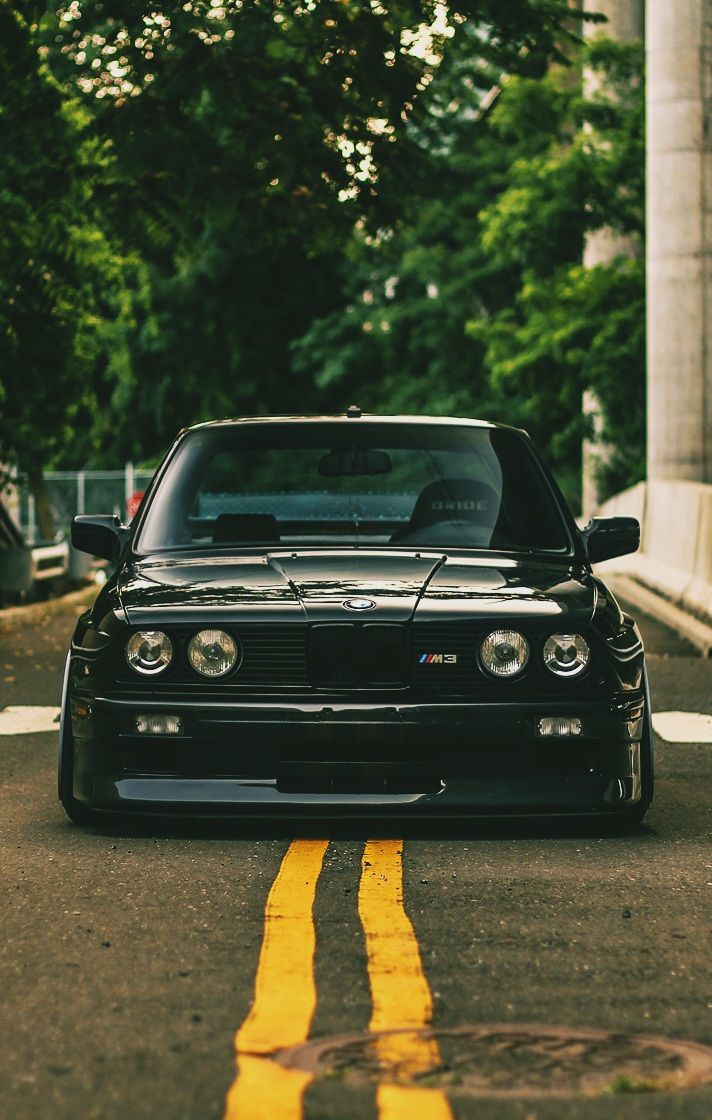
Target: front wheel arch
634,815
75,810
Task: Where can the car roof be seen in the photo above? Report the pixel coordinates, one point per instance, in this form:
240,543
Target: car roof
353,416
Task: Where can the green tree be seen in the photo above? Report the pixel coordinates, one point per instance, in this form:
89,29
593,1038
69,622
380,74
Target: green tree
567,328
59,281
475,301
249,140
192,192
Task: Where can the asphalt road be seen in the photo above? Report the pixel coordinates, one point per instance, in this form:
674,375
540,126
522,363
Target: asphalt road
128,961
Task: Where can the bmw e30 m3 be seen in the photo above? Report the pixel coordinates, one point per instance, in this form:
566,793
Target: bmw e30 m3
353,615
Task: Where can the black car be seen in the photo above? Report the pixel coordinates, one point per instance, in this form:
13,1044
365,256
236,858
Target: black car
353,615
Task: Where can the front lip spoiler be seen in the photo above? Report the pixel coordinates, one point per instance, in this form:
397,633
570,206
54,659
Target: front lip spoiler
593,794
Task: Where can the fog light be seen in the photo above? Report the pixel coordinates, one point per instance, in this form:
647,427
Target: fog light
560,726
159,725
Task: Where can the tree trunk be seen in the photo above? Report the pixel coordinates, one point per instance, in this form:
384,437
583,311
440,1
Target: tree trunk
43,510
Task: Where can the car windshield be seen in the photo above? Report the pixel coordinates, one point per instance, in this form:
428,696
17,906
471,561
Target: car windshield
353,483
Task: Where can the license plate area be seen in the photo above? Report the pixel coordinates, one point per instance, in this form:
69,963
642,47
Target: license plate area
355,777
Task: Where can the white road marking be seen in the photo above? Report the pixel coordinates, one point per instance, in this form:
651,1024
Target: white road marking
28,720
683,727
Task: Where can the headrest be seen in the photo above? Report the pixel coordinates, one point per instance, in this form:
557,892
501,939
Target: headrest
245,528
455,499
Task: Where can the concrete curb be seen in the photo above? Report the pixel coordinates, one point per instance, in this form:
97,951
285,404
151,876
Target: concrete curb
650,602
675,557
32,611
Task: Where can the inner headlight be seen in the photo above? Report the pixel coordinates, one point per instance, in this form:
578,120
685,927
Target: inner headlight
149,652
566,655
504,653
212,653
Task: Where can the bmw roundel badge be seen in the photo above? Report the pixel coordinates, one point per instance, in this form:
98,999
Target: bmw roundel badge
358,604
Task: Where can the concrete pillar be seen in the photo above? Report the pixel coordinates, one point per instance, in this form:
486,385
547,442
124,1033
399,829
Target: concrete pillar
679,239
626,22
626,19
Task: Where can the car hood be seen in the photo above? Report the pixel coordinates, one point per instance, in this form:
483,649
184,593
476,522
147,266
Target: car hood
314,586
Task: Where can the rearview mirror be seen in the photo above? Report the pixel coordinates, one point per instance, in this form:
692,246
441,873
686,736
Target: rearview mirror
606,537
336,464
101,535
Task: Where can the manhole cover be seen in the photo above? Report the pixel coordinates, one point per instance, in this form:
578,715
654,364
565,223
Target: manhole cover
514,1061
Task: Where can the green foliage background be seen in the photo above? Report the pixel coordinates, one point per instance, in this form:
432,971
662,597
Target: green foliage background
233,208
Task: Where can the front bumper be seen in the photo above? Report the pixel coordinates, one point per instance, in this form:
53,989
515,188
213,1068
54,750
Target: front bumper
351,760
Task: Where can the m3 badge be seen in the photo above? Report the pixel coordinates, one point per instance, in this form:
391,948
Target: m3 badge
437,659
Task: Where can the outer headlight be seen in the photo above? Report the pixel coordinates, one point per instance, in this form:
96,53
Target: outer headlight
566,655
212,653
504,653
149,652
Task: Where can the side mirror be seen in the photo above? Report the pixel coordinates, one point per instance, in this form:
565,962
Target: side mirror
606,537
99,536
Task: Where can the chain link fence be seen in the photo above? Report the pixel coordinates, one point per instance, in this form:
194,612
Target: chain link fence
31,565
74,492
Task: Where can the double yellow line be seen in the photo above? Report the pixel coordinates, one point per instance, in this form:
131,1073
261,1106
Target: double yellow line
400,996
285,991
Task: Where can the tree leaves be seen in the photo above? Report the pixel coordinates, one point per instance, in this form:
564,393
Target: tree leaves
476,301
212,188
